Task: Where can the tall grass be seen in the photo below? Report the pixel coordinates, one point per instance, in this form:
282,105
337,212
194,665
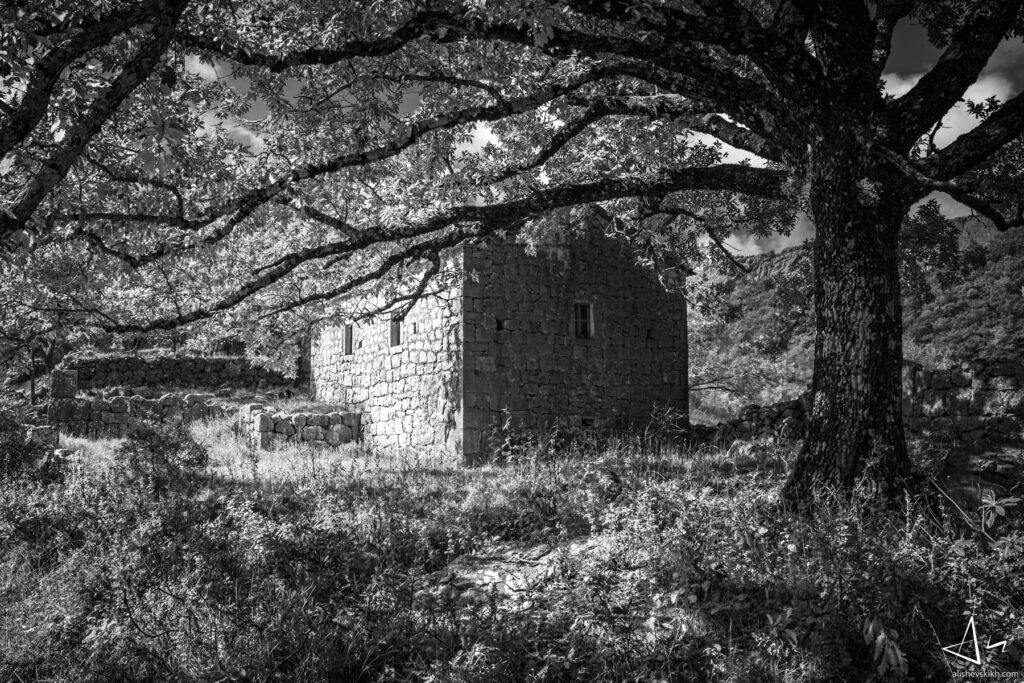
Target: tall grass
611,563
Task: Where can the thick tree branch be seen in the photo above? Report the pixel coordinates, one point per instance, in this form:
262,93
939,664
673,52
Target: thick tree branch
732,27
249,201
692,115
724,177
959,66
417,26
965,195
93,33
1005,125
887,15
99,111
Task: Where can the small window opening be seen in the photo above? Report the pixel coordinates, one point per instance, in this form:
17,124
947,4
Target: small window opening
349,338
499,324
415,328
396,332
650,333
583,320
587,422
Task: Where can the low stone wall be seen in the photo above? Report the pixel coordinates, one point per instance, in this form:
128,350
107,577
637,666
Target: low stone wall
265,429
979,401
178,371
121,415
785,420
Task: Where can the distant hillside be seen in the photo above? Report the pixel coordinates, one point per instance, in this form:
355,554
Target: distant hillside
761,338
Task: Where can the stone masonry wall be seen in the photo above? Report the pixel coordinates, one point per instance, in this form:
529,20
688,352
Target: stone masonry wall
265,429
523,360
979,401
409,394
120,416
181,371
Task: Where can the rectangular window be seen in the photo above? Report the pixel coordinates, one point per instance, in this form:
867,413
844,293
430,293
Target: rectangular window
348,339
583,320
396,332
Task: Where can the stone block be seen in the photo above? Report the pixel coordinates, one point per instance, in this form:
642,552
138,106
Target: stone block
119,404
264,423
319,420
284,426
299,420
312,433
1005,425
970,423
63,383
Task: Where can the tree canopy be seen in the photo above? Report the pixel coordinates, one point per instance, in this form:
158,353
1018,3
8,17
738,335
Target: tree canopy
170,162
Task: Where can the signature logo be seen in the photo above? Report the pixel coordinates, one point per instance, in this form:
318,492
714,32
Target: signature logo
970,643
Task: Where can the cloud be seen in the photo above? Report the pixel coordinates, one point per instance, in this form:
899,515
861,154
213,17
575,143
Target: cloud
749,244
1007,60
958,120
898,85
730,154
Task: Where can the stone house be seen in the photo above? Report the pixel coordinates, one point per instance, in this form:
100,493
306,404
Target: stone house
575,333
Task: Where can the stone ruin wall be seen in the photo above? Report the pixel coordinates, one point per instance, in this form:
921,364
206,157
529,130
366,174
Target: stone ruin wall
120,416
979,402
523,361
179,371
266,429
982,400
409,394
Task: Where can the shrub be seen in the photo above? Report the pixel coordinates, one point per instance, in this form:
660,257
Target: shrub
162,455
18,456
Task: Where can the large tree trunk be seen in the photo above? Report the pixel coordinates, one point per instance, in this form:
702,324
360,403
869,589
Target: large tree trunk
855,428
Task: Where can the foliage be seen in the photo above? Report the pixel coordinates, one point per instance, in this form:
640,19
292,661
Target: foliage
17,455
634,566
329,170
978,317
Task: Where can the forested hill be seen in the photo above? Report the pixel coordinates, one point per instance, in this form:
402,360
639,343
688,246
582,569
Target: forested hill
754,339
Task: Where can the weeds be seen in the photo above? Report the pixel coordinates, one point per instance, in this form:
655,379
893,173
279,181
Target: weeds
188,557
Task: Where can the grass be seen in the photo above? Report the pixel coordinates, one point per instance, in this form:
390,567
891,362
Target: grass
624,562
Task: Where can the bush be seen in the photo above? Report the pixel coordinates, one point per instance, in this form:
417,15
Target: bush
162,455
18,457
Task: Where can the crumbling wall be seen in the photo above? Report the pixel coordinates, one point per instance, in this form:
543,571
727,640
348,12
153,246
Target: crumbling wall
982,400
409,393
265,428
178,371
978,402
120,416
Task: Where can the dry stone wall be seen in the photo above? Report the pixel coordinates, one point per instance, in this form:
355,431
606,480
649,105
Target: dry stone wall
785,420
979,401
121,416
266,429
526,362
178,371
405,380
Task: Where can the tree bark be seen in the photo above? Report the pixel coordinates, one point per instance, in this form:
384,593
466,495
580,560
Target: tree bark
855,430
